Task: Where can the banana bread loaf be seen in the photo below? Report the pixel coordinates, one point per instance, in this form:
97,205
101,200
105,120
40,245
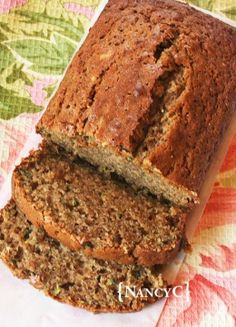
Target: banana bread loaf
103,217
148,95
69,276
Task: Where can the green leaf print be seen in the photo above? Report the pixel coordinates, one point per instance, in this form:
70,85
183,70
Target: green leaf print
44,56
6,57
12,105
50,89
224,8
206,4
36,39
85,3
65,27
16,74
230,12
4,29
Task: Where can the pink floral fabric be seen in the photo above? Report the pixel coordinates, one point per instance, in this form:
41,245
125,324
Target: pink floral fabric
37,90
6,5
32,25
211,266
76,8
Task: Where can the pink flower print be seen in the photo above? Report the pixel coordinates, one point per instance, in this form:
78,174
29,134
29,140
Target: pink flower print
7,5
76,8
37,91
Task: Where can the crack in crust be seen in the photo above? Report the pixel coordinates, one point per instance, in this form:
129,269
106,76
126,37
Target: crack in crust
163,105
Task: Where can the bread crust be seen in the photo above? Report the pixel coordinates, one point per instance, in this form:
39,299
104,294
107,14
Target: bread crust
187,55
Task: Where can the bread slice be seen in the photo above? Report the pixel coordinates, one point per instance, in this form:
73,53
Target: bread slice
148,95
103,217
69,276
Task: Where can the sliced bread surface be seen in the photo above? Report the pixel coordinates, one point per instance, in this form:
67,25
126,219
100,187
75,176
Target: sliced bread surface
102,216
70,276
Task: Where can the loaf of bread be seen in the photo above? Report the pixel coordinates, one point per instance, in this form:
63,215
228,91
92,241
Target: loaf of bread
69,276
145,101
103,217
148,95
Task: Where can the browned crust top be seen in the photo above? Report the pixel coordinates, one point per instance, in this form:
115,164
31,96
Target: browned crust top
154,79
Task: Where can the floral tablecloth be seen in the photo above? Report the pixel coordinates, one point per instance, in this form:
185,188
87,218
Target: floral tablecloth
37,39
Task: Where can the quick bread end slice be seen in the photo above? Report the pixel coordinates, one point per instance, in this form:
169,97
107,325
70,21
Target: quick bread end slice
152,100
101,216
70,276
